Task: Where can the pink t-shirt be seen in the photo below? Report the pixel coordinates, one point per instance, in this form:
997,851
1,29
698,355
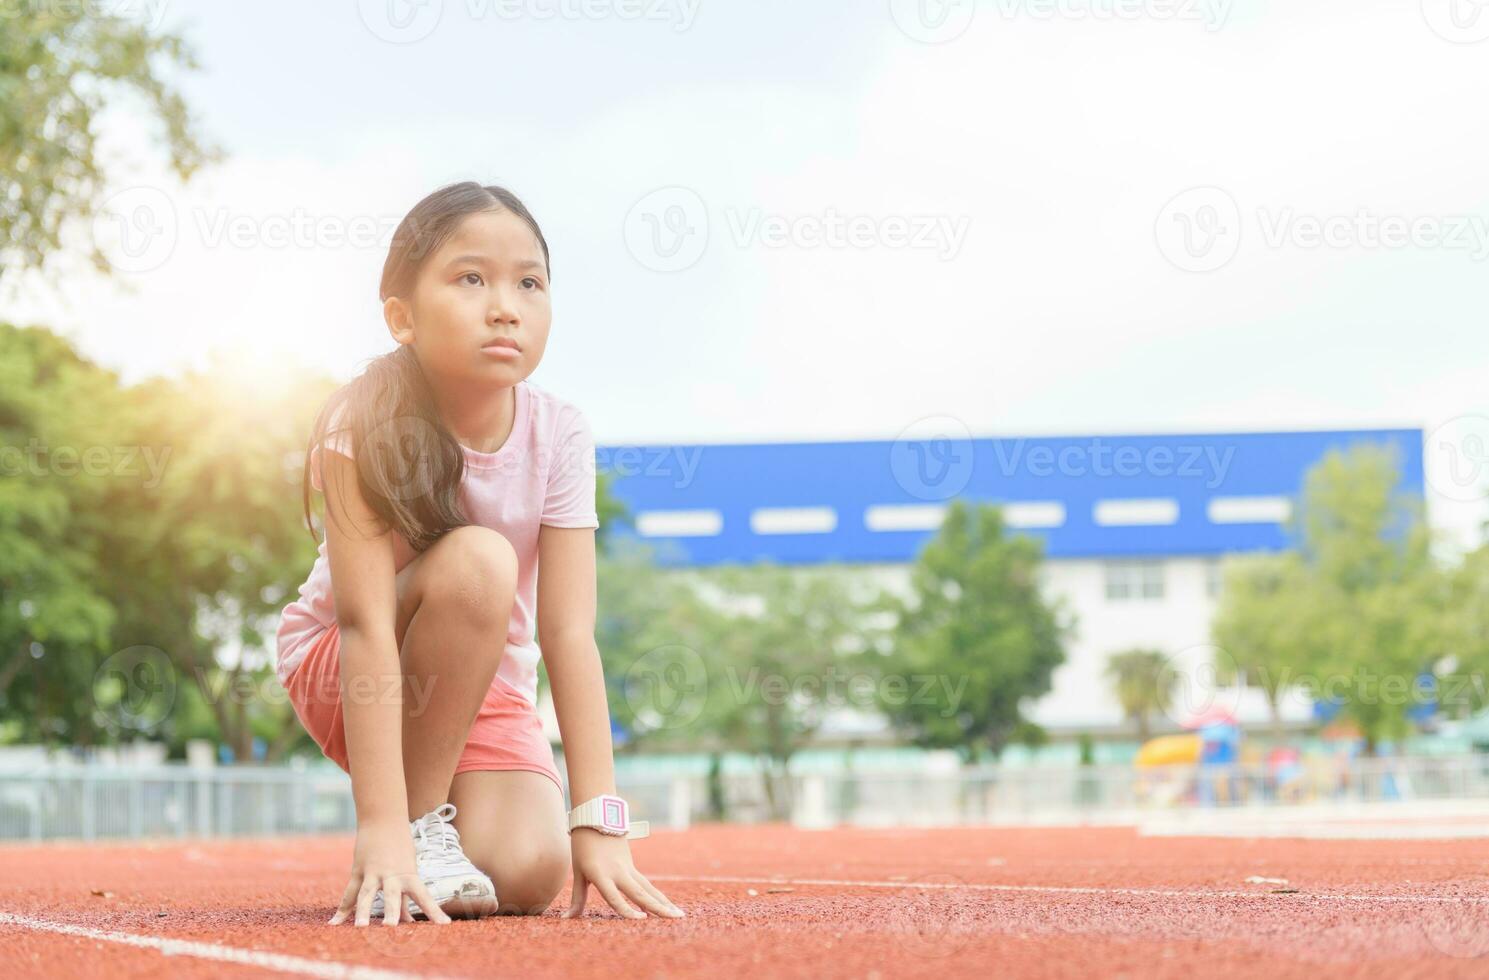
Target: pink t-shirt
543,474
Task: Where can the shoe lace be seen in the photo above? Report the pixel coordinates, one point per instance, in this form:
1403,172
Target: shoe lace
435,838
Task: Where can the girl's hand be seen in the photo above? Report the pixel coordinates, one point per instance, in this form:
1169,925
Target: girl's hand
384,859
605,862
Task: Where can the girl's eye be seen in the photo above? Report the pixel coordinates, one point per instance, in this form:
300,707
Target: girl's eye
535,283
468,275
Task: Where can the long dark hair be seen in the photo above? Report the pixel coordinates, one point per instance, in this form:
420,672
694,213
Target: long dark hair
409,465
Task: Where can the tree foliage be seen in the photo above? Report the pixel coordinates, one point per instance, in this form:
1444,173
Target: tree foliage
60,65
978,624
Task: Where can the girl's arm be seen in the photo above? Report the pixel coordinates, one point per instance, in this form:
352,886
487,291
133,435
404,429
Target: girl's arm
566,631
362,584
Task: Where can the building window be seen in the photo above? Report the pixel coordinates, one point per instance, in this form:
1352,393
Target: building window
1134,580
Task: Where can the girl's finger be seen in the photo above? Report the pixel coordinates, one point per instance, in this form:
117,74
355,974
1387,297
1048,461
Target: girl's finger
420,894
641,878
581,891
644,898
393,909
612,895
348,902
364,902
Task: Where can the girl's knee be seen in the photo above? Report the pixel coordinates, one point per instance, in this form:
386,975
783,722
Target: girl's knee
477,570
529,879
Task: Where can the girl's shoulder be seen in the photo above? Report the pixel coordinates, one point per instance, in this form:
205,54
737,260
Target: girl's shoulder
551,414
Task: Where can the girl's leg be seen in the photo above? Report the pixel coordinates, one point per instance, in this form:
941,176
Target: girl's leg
513,826
454,602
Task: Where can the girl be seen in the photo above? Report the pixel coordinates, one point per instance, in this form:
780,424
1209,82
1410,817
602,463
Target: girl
410,655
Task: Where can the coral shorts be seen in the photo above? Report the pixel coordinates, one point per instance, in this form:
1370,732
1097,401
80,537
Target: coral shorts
507,733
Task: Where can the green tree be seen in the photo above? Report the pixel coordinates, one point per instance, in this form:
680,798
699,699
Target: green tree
60,64
56,615
1467,626
1360,611
1267,625
782,660
979,623
1143,684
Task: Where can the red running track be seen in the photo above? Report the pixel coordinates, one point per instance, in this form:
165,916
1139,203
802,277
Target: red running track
776,901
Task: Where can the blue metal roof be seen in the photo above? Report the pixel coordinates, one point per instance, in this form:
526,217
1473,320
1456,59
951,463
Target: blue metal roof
1188,494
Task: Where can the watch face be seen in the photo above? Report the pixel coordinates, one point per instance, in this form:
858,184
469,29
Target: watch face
613,813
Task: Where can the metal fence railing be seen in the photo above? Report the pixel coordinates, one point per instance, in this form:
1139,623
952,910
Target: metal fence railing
173,800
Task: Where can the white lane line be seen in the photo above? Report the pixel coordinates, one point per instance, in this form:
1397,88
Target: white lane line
282,962
1075,889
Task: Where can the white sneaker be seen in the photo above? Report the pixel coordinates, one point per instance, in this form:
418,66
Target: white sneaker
459,887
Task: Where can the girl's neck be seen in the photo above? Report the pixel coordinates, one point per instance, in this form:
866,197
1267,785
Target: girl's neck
479,420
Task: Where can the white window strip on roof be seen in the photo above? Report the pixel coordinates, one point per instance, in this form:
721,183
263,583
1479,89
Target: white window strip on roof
1249,510
679,523
1147,512
793,520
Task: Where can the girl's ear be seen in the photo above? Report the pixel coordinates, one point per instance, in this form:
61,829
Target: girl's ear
399,318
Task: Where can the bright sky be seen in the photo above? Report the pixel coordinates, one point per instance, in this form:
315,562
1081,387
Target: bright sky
779,220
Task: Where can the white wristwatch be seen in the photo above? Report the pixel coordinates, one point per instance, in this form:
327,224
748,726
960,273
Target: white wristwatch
609,815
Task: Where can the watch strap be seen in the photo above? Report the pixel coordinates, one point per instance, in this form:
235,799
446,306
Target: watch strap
591,813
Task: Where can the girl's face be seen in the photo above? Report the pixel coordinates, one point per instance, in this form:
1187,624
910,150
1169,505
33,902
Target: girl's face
486,282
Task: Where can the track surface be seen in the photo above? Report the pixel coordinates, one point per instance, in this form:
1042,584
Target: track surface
775,901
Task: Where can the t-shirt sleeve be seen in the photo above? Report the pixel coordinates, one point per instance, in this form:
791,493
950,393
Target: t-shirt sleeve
570,498
338,440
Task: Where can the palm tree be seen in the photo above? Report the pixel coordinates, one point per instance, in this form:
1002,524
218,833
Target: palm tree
1143,684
